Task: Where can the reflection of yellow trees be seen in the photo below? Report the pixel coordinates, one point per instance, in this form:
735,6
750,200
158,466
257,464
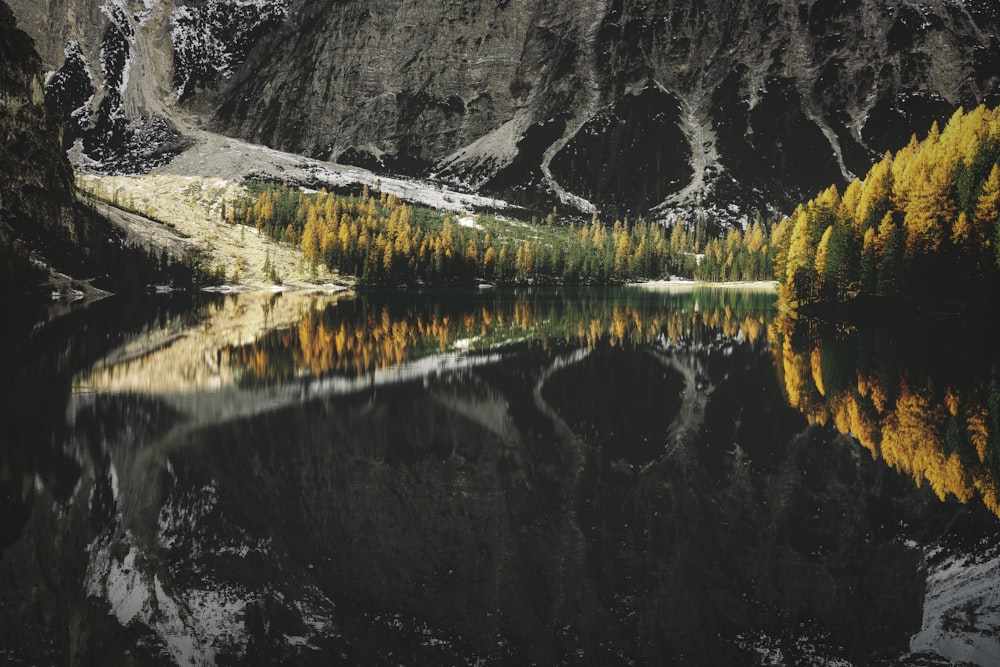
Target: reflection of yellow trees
911,434
939,435
797,371
326,343
194,354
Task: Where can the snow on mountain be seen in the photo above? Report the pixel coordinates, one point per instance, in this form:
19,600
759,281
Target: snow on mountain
962,609
627,107
210,41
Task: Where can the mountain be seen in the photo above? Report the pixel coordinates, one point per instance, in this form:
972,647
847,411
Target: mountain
37,202
620,105
51,243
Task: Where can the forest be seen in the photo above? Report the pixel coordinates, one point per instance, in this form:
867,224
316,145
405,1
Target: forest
921,227
384,241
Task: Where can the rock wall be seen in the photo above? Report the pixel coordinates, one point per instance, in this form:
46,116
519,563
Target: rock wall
36,183
623,103
110,67
49,241
620,105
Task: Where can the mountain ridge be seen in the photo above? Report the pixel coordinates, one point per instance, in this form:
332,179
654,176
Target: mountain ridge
610,105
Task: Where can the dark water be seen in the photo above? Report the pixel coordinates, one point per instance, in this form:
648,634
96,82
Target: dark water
601,477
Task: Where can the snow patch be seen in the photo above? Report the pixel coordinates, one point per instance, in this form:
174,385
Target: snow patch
465,343
962,611
214,156
193,625
179,516
211,41
807,650
119,582
113,479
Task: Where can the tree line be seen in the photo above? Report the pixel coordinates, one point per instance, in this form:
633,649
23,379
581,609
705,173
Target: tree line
922,226
380,239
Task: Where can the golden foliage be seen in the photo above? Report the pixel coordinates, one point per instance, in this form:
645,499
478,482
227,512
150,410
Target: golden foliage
908,422
935,204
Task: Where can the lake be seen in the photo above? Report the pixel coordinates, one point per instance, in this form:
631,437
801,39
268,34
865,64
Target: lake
606,476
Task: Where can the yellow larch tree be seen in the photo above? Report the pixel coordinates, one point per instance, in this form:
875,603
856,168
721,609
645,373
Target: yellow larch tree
987,215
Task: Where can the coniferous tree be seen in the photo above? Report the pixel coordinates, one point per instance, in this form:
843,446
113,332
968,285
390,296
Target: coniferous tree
925,213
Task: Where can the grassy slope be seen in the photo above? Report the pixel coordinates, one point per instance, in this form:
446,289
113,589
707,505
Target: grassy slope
183,213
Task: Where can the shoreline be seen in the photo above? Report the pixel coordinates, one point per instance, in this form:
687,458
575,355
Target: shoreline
660,285
680,285
326,288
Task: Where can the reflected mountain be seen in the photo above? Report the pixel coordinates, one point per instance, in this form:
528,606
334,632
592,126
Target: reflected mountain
259,339
603,476
926,400
260,351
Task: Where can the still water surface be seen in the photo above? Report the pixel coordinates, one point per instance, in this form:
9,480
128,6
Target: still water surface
602,476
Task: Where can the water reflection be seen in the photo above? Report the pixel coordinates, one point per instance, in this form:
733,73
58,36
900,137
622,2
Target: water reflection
185,355
491,477
925,399
261,339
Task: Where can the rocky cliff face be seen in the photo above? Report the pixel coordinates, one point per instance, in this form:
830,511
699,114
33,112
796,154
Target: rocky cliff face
36,182
45,232
110,66
619,105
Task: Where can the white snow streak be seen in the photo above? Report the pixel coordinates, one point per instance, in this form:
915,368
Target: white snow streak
962,611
